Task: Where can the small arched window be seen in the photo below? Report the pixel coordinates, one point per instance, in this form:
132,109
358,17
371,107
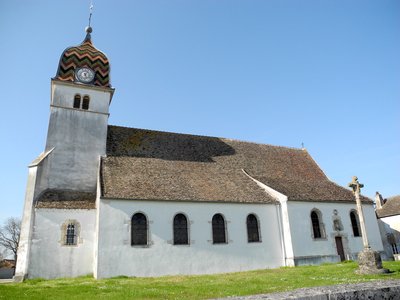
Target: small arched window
70,237
253,234
181,233
355,223
139,230
77,101
70,230
85,102
317,227
218,229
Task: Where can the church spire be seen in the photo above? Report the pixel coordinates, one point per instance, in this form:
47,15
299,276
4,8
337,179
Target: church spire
88,38
89,29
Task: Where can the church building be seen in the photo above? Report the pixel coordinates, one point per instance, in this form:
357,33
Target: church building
109,200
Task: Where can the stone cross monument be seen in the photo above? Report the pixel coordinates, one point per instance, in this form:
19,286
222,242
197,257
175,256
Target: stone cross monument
369,261
356,186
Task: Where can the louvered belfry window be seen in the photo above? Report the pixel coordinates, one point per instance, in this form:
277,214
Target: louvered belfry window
218,229
181,234
139,230
253,234
70,237
316,225
354,224
77,101
85,102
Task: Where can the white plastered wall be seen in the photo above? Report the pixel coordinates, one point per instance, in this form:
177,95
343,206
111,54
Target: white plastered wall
390,225
283,222
49,258
308,250
28,216
77,136
116,256
26,226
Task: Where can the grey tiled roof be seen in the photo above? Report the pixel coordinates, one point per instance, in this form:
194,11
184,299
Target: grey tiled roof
66,199
149,165
154,178
390,208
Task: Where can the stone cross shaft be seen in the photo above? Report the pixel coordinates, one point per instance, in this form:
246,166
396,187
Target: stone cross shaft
356,186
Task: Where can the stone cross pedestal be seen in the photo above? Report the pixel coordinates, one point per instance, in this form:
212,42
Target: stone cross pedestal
369,261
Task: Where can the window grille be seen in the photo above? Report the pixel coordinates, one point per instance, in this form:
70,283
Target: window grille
70,237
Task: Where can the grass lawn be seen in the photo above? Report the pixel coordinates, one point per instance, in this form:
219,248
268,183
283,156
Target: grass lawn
193,287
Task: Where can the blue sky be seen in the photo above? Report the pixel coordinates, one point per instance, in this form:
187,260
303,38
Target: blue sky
322,73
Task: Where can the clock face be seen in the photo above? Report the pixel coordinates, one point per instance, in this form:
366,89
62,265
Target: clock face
85,75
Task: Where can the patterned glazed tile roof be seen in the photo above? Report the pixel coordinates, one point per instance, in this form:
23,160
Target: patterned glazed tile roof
66,199
390,208
145,164
84,55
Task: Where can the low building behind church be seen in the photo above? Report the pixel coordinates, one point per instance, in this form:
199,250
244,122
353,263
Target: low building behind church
388,214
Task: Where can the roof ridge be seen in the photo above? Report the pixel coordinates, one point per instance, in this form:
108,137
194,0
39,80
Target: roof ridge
215,137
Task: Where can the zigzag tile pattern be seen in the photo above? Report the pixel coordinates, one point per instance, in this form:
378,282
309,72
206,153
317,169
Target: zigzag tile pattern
84,55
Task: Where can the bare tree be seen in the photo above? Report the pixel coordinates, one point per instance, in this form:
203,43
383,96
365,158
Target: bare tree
9,235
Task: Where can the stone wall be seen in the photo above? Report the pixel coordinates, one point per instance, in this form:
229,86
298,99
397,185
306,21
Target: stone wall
373,290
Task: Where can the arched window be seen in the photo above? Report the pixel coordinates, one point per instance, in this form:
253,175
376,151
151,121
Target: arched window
218,229
355,223
181,235
70,237
85,102
70,230
318,231
77,101
253,234
139,230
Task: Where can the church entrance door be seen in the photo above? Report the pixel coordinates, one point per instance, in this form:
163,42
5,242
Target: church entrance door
339,247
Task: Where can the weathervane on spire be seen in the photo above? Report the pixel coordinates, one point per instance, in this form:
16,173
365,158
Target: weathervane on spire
90,11
89,29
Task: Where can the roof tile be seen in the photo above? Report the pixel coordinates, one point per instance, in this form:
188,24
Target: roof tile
145,164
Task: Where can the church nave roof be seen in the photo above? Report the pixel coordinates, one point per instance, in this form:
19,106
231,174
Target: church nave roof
154,165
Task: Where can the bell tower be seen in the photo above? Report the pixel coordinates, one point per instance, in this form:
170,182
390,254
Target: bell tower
65,174
79,109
